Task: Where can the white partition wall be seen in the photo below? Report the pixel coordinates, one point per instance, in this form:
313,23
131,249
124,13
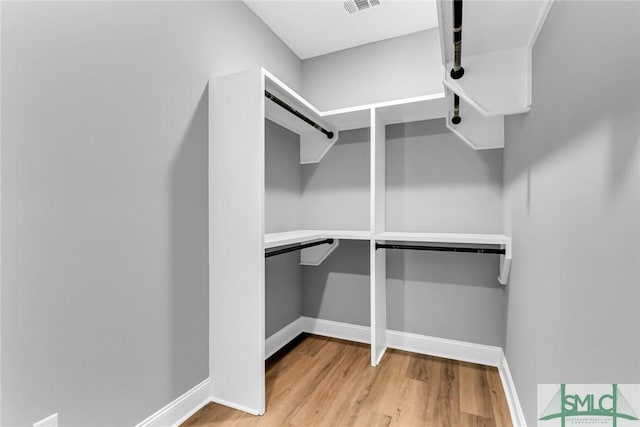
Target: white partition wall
236,230
378,258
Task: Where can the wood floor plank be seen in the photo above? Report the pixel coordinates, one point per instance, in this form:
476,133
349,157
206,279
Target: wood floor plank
386,383
499,405
413,407
330,393
475,397
322,381
470,420
447,404
295,386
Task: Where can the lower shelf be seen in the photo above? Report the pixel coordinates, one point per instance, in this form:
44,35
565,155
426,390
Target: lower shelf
271,240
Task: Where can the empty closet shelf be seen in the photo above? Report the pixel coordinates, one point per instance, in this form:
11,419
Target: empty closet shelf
296,247
462,238
272,240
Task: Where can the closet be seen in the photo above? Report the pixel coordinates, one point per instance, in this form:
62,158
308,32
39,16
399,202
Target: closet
265,203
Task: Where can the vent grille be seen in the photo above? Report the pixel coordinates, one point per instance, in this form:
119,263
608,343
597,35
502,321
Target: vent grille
353,6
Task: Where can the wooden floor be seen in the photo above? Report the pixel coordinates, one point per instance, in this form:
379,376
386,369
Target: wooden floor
320,381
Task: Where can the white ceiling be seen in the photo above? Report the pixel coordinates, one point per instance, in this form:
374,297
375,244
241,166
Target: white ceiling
311,28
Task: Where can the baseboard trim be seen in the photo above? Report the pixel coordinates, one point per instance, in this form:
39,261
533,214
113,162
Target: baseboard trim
179,410
449,349
283,337
509,387
235,406
340,330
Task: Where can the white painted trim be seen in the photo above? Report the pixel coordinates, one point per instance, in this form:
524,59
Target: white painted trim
231,405
451,349
283,337
0,218
178,411
381,355
509,387
340,330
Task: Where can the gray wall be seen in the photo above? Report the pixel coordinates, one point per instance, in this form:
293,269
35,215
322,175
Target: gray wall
283,179
572,185
335,192
283,193
338,289
436,183
104,198
401,67
283,291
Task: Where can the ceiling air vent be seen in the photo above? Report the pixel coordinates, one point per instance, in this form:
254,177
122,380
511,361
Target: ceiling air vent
353,6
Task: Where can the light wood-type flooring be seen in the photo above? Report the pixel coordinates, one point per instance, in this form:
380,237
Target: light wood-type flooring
318,381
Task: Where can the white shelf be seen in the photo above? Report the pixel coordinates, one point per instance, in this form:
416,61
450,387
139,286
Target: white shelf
426,107
271,240
480,239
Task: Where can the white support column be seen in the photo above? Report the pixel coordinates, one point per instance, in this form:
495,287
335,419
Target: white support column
236,248
378,222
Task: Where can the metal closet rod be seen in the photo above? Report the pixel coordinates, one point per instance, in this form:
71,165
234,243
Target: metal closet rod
456,119
457,71
297,247
296,113
441,248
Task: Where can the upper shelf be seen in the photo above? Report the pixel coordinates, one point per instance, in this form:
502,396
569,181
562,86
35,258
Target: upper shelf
314,144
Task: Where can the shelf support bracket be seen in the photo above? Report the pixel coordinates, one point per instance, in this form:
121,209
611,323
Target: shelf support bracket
505,265
316,254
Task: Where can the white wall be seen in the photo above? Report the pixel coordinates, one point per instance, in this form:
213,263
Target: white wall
572,188
104,200
401,67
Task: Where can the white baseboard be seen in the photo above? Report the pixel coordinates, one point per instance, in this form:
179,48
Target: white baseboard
450,349
178,411
283,337
517,415
340,330
235,406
